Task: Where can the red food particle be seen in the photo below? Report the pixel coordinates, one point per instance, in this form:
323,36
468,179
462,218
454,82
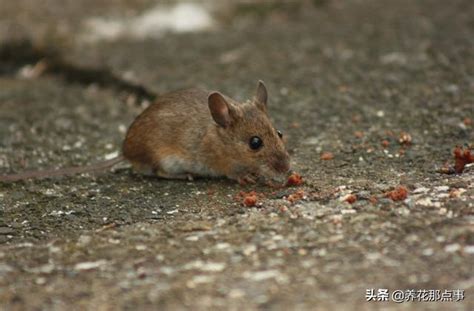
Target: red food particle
454,193
467,121
385,143
294,197
351,199
404,139
242,194
327,156
461,158
447,169
398,194
295,179
250,200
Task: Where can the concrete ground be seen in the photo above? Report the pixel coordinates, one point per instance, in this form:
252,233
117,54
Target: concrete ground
387,87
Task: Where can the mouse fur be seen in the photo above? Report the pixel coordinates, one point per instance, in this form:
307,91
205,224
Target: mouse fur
195,133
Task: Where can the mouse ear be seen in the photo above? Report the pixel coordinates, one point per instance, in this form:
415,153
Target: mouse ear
219,108
261,96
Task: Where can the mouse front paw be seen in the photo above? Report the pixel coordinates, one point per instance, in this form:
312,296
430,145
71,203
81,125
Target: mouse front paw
274,184
247,179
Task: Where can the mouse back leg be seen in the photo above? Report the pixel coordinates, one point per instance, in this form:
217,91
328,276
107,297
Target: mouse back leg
162,174
141,168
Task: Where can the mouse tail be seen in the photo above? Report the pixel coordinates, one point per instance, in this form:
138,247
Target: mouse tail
93,168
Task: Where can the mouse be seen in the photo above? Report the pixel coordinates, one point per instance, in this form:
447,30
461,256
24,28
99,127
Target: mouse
194,133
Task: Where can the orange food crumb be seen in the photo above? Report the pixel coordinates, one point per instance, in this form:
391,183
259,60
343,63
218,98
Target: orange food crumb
295,179
447,169
467,121
404,138
398,194
351,199
294,197
359,134
250,200
455,193
385,143
461,158
327,156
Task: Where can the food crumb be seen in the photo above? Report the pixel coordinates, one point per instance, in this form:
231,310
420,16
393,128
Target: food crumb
327,156
398,194
295,179
250,200
385,143
350,198
461,158
404,138
456,193
294,197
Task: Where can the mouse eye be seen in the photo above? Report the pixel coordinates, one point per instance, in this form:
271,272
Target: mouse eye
255,143
280,134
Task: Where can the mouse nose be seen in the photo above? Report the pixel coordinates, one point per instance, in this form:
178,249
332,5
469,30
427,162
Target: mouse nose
282,163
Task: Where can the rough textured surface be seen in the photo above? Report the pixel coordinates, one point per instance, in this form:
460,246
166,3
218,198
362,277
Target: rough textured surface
386,86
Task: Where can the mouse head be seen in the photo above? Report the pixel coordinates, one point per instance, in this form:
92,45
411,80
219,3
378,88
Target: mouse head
248,136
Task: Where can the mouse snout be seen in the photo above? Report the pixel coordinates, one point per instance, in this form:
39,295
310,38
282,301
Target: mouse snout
281,163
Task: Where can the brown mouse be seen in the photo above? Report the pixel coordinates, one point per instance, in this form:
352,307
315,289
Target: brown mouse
195,133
